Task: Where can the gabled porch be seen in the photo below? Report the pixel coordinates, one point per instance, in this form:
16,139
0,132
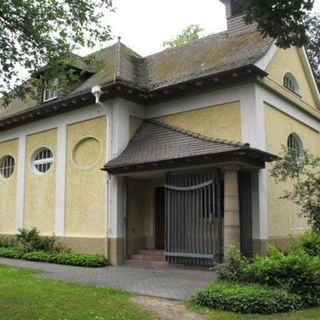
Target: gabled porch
186,194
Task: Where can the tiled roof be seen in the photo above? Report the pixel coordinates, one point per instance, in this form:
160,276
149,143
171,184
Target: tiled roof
156,142
205,57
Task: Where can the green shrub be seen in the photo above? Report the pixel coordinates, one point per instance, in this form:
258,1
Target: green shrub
13,253
30,240
310,243
247,298
7,242
68,258
296,271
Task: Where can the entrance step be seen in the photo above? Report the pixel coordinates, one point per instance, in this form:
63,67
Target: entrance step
151,252
148,264
149,258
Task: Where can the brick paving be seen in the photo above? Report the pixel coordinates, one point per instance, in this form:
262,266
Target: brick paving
178,284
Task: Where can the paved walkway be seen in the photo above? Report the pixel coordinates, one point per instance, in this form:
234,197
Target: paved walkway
177,284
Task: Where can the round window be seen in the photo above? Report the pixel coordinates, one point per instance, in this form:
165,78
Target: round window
42,160
6,166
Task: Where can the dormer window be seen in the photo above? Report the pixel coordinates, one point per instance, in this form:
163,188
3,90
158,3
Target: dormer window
51,92
290,82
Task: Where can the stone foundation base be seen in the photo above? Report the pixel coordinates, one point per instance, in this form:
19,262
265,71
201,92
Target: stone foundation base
85,244
259,246
116,250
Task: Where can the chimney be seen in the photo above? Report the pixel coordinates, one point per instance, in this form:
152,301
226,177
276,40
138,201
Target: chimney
235,13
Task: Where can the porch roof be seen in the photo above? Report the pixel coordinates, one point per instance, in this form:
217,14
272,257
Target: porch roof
157,145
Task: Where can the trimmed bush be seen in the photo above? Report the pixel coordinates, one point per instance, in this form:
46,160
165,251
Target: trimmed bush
30,240
68,258
247,298
11,252
296,271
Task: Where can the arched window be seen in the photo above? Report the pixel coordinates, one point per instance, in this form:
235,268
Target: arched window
290,82
294,143
7,164
42,160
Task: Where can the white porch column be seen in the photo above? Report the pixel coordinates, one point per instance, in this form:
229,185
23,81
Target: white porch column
231,210
60,179
20,182
116,219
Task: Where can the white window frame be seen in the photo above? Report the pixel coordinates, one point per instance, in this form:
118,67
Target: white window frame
37,163
50,93
7,169
295,144
290,82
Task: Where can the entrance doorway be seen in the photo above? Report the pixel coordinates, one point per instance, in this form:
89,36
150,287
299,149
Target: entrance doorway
159,218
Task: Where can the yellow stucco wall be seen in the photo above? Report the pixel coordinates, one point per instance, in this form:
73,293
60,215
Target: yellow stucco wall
283,214
289,61
40,188
8,190
85,182
220,121
134,124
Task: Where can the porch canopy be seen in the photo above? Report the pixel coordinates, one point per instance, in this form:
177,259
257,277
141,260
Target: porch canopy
204,208
157,145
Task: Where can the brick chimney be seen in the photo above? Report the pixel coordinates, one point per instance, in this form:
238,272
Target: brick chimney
235,14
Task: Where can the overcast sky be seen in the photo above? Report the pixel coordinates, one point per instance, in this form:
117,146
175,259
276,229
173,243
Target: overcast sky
144,24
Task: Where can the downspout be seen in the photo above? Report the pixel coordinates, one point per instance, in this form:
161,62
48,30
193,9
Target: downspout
97,92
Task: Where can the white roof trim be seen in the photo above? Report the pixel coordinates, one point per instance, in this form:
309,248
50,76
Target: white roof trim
266,59
310,76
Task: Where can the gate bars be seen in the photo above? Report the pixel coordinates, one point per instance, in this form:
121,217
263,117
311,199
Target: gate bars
194,217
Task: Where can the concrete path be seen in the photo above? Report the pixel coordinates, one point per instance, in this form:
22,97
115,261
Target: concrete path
178,284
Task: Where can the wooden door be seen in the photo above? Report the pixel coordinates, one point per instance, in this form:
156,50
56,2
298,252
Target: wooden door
159,217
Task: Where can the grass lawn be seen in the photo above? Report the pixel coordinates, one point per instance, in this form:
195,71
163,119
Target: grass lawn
25,297
307,314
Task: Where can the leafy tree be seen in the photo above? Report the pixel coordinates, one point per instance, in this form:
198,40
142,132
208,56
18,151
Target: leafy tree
313,47
38,33
282,20
189,34
302,170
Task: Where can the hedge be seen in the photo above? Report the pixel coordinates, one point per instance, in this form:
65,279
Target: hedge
247,298
64,257
295,270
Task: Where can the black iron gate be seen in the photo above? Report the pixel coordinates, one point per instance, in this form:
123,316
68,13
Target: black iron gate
194,217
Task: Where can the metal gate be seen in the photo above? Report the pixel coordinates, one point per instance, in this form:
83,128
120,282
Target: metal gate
194,217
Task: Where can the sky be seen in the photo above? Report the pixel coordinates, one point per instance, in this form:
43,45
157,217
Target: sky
144,24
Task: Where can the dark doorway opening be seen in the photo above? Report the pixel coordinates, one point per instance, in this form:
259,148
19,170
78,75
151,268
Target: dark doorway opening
159,217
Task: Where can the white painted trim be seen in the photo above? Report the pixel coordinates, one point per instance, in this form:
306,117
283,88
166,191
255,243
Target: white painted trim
60,180
60,123
266,59
200,101
312,81
20,182
75,116
288,108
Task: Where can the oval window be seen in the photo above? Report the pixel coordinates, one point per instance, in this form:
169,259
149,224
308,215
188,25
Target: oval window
7,164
